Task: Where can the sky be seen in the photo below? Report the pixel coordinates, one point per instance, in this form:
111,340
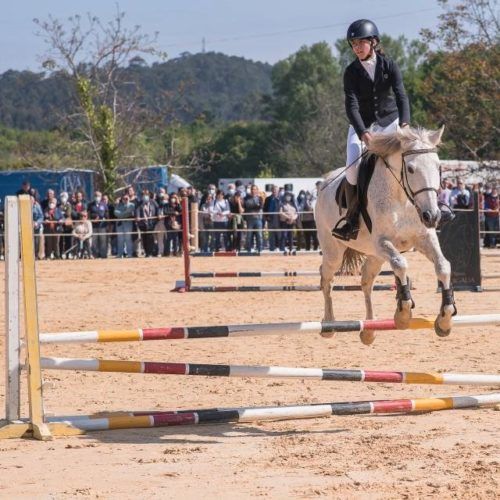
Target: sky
261,30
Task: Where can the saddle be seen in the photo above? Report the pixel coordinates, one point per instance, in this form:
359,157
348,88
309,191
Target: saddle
365,173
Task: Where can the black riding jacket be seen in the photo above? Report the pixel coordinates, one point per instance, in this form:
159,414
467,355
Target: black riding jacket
368,101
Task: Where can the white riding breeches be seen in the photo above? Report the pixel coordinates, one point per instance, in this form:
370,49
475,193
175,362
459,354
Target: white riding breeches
355,147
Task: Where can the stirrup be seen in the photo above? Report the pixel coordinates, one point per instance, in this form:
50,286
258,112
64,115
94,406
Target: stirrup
447,214
348,231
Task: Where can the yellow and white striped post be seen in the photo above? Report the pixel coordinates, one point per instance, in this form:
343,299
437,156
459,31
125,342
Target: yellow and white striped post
39,428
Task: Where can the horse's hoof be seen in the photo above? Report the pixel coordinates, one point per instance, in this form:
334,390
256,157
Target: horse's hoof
440,332
367,336
402,318
327,335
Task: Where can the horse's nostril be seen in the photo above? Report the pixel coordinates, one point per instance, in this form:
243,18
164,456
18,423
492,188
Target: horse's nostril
427,216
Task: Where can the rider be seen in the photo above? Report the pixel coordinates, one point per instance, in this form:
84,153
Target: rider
370,107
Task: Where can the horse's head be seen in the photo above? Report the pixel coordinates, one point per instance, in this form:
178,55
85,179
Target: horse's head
417,159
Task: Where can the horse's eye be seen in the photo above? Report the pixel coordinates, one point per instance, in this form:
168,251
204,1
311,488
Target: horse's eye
411,169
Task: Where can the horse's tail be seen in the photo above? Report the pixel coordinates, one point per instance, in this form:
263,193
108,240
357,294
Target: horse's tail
351,262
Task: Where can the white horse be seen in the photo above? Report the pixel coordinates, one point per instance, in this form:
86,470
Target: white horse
403,207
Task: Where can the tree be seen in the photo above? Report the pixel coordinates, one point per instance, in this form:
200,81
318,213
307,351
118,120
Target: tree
307,108
93,56
464,23
461,89
460,85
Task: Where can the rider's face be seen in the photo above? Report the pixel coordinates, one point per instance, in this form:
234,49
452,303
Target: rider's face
361,48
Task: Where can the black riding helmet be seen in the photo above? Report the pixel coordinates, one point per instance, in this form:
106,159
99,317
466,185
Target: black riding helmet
362,28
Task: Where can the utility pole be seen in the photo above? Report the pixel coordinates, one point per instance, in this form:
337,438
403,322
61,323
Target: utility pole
203,45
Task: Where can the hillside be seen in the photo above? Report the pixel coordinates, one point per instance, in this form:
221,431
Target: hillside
225,88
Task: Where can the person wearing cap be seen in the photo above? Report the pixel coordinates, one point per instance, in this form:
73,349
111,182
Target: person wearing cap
375,101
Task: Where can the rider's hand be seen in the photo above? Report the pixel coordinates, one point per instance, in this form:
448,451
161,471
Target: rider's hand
366,138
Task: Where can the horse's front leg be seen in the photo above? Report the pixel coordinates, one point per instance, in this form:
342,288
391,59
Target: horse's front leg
399,265
369,272
429,246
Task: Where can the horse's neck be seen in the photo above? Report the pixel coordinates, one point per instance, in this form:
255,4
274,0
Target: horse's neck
388,181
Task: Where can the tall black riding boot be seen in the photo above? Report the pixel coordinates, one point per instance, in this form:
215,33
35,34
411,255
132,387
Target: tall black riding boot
347,228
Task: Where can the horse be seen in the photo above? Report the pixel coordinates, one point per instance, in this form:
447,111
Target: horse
404,212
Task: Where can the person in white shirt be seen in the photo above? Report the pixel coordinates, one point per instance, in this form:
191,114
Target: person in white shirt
221,214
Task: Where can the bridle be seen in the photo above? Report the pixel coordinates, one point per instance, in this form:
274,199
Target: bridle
404,181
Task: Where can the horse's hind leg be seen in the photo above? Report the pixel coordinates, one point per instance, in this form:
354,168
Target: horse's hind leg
369,272
329,265
399,265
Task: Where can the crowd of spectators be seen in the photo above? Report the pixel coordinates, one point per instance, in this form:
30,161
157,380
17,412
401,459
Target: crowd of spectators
245,218
458,196
69,226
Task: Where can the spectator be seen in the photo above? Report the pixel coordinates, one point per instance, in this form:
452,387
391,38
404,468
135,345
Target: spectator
192,195
98,213
37,224
205,222
25,188
253,205
173,226
237,224
220,217
160,229
111,225
288,220
52,217
444,196
271,213
146,215
308,223
161,194
125,213
491,223
299,205
240,188
135,234
50,198
65,226
209,191
82,232
460,196
34,193
78,205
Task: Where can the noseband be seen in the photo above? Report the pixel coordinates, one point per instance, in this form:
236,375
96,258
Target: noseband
404,182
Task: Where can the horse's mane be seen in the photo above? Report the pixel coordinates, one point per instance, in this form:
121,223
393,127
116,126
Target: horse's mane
385,144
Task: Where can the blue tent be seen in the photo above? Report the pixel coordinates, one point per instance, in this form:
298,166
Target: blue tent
59,180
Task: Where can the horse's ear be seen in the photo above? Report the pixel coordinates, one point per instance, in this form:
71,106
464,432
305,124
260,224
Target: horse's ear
435,137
